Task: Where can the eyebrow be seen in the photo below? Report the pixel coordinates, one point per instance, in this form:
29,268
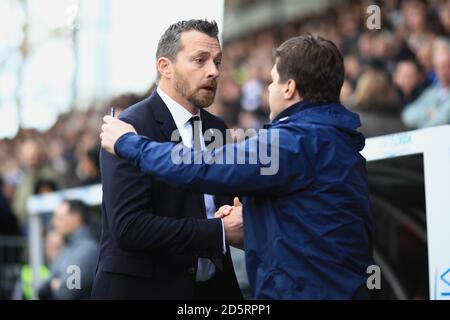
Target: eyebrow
200,53
203,53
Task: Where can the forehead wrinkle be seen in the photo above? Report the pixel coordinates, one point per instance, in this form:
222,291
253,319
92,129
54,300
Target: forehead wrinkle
205,43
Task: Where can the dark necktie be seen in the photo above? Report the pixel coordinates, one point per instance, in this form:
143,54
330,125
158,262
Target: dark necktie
197,146
195,124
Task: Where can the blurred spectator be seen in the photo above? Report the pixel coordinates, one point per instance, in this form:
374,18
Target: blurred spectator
8,221
230,100
252,89
425,57
352,68
377,104
409,79
89,167
44,186
346,92
415,14
432,108
80,250
248,120
365,46
444,17
54,243
35,168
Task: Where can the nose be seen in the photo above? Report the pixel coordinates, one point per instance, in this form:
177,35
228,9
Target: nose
213,70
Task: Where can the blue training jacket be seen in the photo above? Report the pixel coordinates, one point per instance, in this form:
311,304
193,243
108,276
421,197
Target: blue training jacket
307,227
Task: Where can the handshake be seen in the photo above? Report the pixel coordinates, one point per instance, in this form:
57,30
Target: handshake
233,223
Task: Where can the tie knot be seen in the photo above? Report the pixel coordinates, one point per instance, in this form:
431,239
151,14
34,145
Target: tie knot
194,118
195,123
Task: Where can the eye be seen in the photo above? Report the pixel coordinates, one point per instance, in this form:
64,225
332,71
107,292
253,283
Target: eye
199,60
218,63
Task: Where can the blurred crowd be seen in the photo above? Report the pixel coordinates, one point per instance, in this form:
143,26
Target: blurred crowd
65,156
397,78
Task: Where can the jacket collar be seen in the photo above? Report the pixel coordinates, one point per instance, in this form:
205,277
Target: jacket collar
293,109
180,115
164,117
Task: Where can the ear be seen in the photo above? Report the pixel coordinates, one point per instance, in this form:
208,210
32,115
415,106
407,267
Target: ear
290,90
164,66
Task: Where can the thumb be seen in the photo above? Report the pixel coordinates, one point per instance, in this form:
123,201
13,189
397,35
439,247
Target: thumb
236,202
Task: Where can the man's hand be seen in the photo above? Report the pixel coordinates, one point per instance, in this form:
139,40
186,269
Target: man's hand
223,211
112,130
233,223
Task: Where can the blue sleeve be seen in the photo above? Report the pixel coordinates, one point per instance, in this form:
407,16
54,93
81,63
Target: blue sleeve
238,168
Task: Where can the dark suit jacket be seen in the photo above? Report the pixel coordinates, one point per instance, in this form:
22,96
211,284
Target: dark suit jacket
152,233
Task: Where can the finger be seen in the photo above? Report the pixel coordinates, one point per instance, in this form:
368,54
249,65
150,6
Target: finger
236,202
218,215
108,119
227,212
223,212
224,207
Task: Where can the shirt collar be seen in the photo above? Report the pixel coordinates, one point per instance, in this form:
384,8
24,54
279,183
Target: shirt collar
179,114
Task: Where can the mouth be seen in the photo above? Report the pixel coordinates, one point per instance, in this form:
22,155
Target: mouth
210,89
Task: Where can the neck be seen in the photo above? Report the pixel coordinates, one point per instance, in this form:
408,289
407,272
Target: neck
288,106
290,103
175,95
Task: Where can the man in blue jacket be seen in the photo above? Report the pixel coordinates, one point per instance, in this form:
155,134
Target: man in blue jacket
307,225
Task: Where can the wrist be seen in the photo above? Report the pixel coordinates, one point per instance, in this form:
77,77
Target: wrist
122,142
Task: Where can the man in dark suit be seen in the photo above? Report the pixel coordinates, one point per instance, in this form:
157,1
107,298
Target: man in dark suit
161,242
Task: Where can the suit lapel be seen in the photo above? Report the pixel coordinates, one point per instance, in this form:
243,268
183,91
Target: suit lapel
163,117
167,126
207,124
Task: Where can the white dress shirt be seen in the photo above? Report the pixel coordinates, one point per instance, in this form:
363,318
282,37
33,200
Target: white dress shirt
206,268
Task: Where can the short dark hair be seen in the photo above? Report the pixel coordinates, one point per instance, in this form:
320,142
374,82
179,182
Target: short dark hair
51,184
169,44
79,207
316,66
